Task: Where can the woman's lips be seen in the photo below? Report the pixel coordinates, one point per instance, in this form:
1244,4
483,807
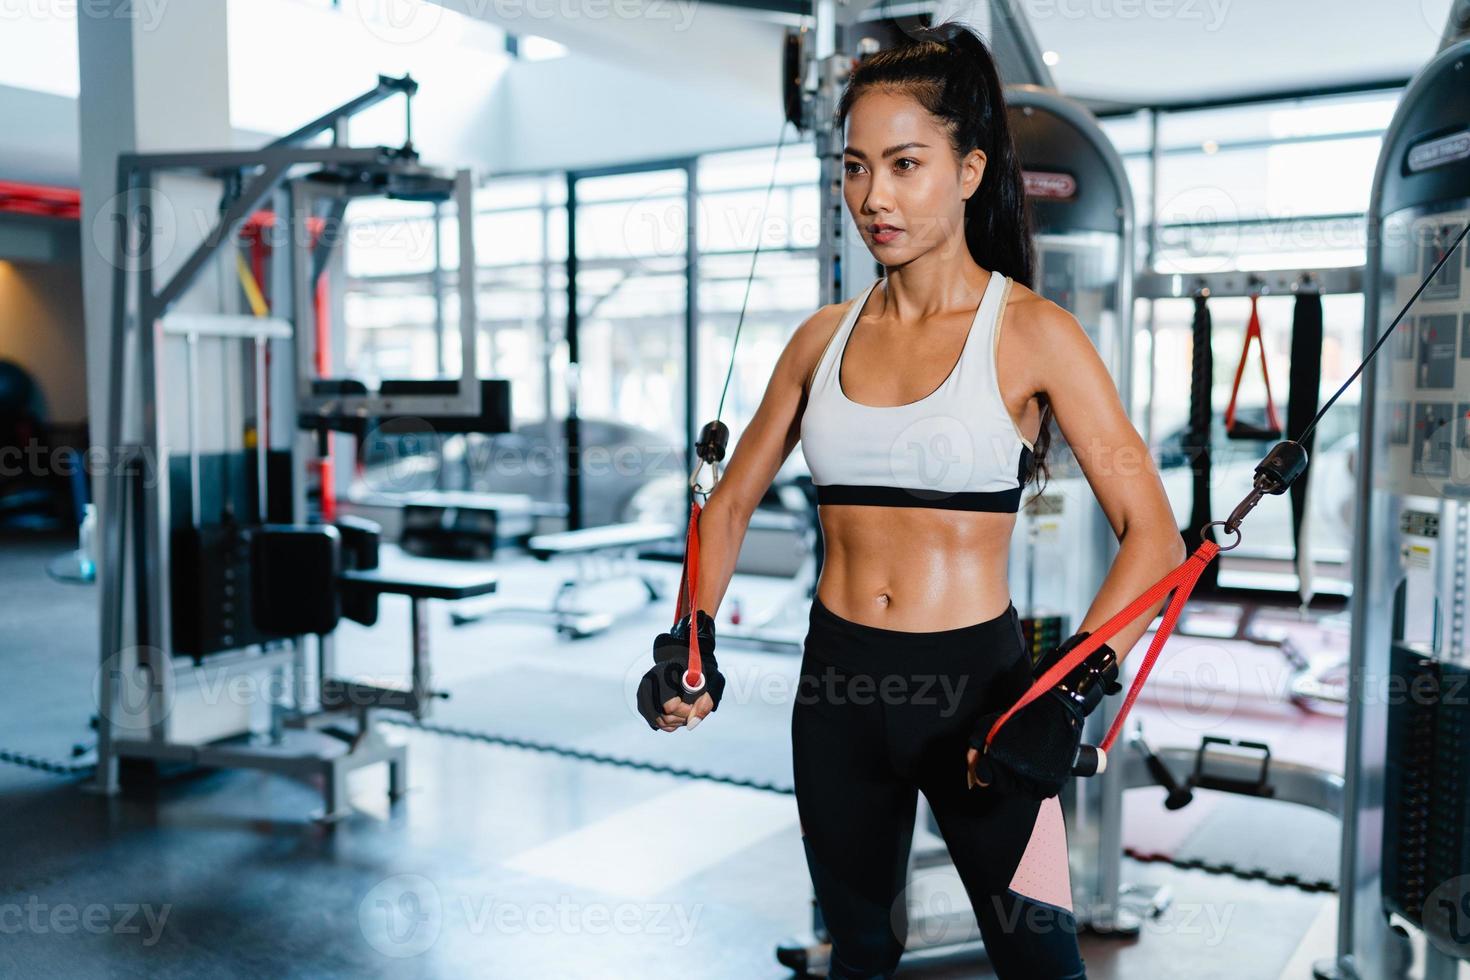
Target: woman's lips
883,236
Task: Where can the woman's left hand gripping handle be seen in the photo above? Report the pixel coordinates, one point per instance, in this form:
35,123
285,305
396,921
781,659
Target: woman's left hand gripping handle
670,695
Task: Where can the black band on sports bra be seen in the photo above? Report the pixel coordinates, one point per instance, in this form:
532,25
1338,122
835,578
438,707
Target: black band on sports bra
1008,501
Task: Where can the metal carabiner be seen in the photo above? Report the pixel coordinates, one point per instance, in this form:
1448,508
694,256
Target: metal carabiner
694,478
1226,526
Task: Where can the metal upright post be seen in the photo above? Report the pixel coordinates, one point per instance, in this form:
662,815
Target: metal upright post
155,638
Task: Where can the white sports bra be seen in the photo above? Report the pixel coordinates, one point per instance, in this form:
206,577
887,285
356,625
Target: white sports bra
957,448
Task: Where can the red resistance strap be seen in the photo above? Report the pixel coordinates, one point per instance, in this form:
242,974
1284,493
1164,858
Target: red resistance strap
1252,332
1182,581
688,582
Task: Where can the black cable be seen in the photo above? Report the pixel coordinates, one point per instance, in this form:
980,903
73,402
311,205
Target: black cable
1387,333
759,235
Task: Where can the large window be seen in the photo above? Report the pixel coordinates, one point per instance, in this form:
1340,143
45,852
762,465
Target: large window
784,292
633,257
1254,187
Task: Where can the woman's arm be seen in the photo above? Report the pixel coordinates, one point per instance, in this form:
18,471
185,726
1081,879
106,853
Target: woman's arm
759,452
1117,464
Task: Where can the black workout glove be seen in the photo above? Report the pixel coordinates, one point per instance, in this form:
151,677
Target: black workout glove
1034,752
664,679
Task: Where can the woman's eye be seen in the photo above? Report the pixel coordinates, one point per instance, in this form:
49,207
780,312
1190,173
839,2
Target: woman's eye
909,160
850,165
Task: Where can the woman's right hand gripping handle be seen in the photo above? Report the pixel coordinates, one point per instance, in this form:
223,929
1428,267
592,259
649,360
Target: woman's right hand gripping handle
669,696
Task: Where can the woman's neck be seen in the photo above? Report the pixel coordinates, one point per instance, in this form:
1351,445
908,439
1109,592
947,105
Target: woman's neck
932,285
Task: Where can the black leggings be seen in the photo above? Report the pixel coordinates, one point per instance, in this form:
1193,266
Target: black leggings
881,715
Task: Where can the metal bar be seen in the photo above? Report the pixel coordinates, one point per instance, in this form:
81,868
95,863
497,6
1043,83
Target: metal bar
547,346
151,539
240,326
386,88
1148,263
326,243
469,321
191,392
1387,85
215,239
300,200
1173,285
573,428
422,675
436,283
114,510
284,157
1344,217
260,430
1292,782
691,307
622,264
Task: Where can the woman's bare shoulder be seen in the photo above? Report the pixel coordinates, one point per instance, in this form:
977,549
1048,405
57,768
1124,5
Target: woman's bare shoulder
805,347
1050,340
1037,318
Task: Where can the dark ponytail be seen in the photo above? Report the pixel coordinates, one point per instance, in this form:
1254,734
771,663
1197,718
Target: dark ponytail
950,72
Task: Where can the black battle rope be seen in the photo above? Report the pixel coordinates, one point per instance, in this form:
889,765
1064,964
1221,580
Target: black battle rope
1304,384
1197,436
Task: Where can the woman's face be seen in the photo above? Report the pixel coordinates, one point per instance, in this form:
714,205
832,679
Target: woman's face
904,187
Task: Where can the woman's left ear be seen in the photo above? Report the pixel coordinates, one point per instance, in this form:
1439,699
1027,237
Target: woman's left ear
976,159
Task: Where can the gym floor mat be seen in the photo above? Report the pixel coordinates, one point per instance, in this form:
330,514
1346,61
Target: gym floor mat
1282,843
49,654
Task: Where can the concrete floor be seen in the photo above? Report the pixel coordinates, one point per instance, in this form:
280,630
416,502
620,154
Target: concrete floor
500,862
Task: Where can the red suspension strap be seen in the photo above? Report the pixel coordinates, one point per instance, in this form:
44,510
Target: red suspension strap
1181,581
1273,421
710,449
688,584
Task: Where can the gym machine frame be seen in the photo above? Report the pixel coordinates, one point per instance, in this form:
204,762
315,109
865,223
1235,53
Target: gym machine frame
1432,115
137,510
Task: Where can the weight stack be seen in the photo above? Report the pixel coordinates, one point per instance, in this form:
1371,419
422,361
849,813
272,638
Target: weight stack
1043,634
1426,833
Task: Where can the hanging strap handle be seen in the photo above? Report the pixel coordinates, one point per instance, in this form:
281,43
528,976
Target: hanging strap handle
1182,581
688,583
1253,332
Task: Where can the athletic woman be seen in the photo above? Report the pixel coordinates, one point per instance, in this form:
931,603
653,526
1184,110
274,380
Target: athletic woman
923,407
